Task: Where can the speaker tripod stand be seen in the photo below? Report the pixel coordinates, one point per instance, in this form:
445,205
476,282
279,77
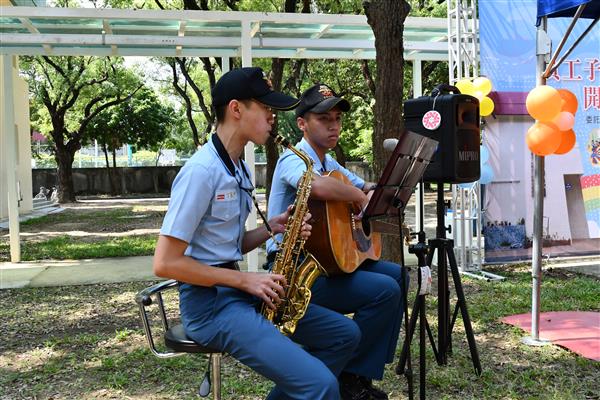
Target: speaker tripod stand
446,259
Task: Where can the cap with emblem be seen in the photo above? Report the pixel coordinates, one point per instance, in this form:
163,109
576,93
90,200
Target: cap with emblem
250,83
320,98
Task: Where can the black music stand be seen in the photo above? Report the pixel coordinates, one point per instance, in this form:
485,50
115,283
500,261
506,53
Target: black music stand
404,170
424,253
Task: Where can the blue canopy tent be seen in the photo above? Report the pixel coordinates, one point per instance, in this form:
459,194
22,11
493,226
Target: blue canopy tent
567,8
575,9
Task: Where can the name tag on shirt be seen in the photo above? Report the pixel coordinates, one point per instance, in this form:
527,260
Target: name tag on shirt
226,195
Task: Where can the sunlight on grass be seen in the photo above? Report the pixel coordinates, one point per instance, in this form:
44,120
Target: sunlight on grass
66,247
102,217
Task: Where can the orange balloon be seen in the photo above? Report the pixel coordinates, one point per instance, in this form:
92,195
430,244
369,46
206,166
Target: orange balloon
569,101
543,103
567,143
543,138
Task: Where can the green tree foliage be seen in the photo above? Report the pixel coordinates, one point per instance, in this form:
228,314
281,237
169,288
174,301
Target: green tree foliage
353,79
428,8
142,122
67,94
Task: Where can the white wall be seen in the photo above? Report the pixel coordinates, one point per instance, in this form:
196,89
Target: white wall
510,195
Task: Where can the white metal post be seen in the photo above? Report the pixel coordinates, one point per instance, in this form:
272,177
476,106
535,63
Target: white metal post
251,257
542,51
417,81
225,65
463,59
10,133
95,153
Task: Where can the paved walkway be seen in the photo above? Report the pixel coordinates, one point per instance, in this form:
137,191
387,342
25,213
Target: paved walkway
75,272
130,269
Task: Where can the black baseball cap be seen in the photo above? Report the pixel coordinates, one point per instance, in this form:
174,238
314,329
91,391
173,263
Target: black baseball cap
250,83
320,98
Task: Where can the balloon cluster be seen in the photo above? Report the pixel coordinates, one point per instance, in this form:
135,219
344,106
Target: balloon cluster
480,88
554,111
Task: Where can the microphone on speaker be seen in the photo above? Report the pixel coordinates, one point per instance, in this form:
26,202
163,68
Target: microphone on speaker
390,144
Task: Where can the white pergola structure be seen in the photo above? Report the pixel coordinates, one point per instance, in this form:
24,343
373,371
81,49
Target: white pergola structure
158,33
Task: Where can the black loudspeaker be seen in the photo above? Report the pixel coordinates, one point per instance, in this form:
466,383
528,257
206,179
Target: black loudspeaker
457,157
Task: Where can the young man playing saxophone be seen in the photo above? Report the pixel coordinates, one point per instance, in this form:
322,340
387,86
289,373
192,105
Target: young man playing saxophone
374,291
202,238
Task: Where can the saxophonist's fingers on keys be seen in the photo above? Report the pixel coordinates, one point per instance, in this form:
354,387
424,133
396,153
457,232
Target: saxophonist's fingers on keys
280,279
274,296
267,300
278,289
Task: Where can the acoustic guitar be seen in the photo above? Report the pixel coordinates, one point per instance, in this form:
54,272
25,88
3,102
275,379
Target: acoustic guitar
337,241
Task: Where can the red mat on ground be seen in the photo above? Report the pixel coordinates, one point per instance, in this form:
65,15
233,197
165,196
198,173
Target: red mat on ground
577,331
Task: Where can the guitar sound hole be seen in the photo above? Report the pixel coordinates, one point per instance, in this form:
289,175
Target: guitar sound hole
366,226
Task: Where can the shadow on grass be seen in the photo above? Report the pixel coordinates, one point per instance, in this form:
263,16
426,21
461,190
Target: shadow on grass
85,342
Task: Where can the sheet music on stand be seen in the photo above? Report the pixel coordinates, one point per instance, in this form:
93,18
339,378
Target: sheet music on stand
403,171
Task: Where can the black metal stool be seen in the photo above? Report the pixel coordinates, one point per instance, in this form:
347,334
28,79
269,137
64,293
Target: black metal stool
176,339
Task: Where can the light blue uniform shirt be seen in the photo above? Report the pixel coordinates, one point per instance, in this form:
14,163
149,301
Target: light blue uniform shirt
208,209
287,174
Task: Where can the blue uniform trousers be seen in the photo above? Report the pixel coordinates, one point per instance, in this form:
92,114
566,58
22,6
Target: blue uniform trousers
226,319
374,294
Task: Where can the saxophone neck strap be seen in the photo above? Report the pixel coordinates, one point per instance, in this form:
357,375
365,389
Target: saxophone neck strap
224,156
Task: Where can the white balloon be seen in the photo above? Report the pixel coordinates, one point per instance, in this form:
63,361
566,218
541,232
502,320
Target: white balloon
564,121
484,154
487,175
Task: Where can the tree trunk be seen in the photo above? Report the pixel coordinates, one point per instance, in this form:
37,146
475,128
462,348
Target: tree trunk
64,161
114,177
158,153
386,18
105,151
340,156
111,179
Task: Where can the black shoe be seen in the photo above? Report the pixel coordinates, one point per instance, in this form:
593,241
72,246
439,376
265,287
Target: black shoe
351,388
375,393
356,387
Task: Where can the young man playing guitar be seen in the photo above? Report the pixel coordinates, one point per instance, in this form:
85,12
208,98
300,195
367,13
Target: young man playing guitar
373,292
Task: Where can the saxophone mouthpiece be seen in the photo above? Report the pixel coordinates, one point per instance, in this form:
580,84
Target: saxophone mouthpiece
280,139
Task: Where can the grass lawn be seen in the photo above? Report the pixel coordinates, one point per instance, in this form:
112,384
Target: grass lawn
68,247
79,233
85,342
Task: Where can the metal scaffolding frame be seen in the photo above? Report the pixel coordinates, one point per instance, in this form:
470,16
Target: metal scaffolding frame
463,59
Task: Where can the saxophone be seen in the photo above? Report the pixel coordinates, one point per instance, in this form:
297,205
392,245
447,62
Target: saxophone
298,266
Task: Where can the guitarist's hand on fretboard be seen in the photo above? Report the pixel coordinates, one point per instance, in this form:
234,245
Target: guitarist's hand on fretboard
369,187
